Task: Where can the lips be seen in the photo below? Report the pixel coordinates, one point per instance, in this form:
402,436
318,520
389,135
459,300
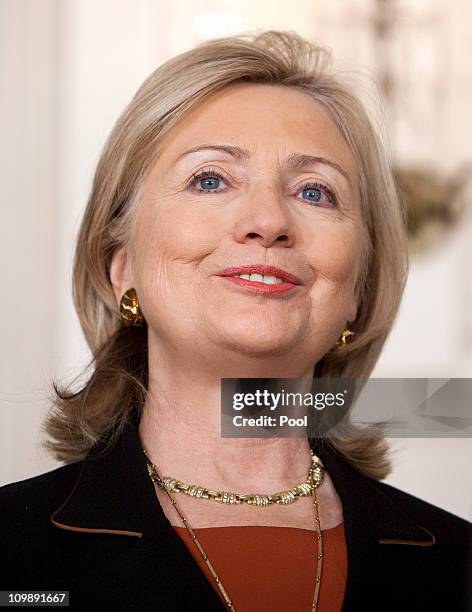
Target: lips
264,270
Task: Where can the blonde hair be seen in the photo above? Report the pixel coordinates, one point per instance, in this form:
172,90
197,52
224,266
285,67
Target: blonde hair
118,384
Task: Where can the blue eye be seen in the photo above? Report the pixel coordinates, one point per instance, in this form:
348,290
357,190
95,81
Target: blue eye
313,193
208,180
320,194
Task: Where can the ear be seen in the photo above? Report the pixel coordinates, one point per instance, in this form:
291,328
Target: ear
120,274
355,303
352,315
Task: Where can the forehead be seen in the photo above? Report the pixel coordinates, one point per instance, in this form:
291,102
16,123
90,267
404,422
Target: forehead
271,121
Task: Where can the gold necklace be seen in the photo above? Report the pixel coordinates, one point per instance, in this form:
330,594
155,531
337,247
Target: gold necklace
315,477
289,496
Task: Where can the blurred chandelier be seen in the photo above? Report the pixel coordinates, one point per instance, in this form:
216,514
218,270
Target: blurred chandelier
433,203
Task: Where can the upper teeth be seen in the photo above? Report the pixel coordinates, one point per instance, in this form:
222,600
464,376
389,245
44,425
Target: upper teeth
261,278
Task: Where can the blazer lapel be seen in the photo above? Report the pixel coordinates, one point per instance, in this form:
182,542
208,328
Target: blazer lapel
375,529
114,495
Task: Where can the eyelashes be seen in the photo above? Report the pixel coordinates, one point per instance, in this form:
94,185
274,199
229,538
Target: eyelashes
317,189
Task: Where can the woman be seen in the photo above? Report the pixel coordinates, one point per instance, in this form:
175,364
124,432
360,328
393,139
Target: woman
243,156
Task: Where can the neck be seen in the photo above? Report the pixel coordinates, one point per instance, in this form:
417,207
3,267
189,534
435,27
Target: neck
180,428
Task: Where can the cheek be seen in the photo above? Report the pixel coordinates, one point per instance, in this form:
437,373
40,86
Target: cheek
180,232
335,256
187,236
170,242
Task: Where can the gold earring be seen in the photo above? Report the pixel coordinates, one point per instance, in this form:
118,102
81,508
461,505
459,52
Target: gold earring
343,340
130,309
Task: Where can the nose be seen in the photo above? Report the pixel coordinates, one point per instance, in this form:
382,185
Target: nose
264,217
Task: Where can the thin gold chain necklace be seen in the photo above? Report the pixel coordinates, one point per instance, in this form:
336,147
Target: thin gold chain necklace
315,477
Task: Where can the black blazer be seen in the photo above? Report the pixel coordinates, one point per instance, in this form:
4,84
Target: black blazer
96,529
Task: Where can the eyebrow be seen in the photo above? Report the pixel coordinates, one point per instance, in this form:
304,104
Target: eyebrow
295,161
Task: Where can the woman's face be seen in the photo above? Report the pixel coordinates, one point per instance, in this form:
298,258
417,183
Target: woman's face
273,183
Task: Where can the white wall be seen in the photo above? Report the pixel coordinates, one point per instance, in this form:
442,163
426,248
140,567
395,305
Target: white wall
69,69
28,228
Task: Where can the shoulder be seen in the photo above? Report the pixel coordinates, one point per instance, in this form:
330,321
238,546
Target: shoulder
394,514
29,501
449,526
30,541
48,484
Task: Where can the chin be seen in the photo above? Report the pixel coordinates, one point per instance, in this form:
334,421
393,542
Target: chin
254,343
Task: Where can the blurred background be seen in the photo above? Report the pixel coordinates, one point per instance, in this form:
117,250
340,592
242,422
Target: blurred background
68,69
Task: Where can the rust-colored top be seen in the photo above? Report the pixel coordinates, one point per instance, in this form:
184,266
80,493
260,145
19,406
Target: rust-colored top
272,569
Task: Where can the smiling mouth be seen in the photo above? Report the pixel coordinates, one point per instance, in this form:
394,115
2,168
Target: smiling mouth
261,278
260,284
262,273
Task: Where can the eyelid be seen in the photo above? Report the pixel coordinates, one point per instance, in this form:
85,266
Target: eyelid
207,171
